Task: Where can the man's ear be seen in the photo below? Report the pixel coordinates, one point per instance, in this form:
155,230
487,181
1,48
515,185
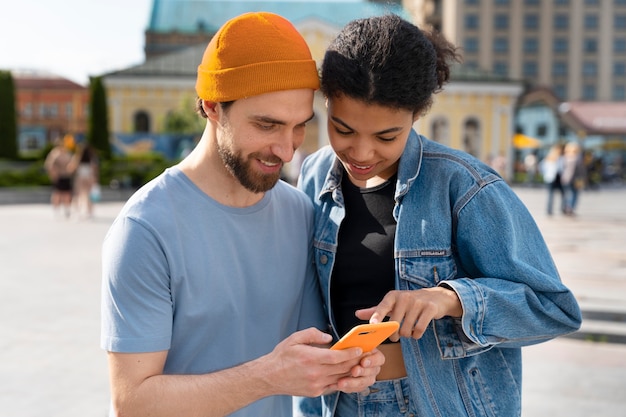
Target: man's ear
210,109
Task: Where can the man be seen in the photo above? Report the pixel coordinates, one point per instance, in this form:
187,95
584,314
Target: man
207,271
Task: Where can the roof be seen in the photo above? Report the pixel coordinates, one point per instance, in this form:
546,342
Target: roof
190,16
597,117
183,63
32,80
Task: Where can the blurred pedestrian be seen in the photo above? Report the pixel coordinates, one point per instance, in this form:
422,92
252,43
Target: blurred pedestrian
58,165
530,167
86,187
573,177
551,169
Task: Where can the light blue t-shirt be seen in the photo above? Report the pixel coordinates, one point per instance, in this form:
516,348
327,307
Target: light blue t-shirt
214,285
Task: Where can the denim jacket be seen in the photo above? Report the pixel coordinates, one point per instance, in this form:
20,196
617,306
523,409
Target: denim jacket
460,225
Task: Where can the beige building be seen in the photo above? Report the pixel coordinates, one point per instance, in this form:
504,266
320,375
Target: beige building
575,47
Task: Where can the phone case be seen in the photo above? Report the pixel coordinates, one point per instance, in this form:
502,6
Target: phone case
367,336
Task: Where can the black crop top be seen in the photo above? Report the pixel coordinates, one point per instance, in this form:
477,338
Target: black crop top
364,265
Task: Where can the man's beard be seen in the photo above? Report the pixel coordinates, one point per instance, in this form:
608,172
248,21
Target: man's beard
241,169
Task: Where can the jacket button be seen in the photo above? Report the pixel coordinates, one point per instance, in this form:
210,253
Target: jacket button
324,259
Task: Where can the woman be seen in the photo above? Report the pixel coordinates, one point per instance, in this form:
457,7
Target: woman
85,179
426,235
551,170
573,176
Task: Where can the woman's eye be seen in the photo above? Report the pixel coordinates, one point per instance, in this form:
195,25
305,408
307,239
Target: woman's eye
387,139
343,132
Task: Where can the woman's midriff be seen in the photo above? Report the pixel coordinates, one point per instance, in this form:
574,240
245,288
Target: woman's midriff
393,367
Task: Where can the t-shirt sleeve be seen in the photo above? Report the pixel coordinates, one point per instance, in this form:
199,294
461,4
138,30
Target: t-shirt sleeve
136,308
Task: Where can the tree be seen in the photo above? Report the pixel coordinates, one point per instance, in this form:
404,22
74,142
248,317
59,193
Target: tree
8,117
184,119
98,128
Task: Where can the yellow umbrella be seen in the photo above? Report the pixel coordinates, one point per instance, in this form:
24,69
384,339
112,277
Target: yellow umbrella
525,142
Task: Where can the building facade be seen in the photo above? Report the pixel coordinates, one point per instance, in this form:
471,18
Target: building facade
48,108
575,47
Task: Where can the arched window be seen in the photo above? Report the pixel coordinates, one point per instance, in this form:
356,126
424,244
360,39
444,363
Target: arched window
472,137
439,131
141,122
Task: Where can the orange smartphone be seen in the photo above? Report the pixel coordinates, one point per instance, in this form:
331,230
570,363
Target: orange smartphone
367,336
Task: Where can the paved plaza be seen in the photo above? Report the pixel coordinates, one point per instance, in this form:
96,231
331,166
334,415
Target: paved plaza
51,364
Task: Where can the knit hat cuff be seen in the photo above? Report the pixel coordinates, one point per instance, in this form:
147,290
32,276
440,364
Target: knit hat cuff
260,78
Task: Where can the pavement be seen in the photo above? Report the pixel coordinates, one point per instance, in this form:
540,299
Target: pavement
51,364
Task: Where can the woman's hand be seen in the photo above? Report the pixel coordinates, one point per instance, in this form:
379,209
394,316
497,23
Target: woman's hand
414,309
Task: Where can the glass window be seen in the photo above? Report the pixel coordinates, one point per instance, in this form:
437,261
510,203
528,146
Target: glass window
592,2
531,2
69,110
561,21
27,111
53,110
470,45
501,68
471,21
591,21
619,93
619,45
531,45
531,21
589,92
559,69
620,22
500,45
560,91
619,68
501,21
530,69
560,45
590,45
472,2
562,2
502,2
590,69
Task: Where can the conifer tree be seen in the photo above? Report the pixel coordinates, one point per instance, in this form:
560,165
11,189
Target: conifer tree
98,128
8,117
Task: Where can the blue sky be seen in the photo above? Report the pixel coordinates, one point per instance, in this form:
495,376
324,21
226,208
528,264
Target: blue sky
72,38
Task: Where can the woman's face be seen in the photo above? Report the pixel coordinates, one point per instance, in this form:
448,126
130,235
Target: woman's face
368,138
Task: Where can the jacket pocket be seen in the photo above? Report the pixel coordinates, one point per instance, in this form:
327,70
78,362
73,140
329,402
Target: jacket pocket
427,270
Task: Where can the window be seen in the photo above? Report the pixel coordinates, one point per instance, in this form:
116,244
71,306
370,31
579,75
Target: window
561,2
472,137
471,21
619,45
531,21
27,111
142,122
500,45
470,45
591,21
531,45
472,2
502,2
439,131
561,21
590,69
619,93
69,110
620,22
501,68
592,2
542,130
53,110
560,91
589,92
560,45
501,21
531,2
619,68
590,45
559,69
530,69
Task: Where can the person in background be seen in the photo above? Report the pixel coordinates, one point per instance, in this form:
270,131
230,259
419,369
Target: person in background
86,169
210,304
573,176
410,230
58,166
551,169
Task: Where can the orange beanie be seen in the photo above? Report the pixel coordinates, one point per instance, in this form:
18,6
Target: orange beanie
252,54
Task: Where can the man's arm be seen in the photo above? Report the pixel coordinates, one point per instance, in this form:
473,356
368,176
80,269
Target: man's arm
294,367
